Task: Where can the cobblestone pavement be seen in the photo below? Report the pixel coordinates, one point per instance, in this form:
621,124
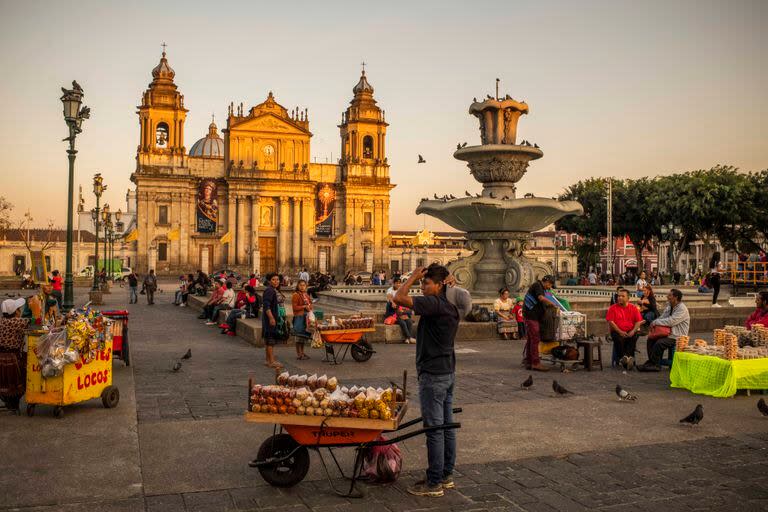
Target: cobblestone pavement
518,450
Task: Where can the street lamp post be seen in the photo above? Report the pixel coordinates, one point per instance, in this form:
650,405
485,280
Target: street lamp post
98,190
105,220
672,234
74,114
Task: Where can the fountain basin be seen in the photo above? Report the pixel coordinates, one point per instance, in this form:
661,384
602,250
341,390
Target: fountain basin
486,214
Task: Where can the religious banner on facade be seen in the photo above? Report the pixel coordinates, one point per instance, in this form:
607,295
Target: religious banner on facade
207,207
326,199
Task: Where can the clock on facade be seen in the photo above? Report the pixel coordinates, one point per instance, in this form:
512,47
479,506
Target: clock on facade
268,150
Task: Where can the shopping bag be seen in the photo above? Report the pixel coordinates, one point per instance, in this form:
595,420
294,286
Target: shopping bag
311,320
317,340
659,331
391,320
382,464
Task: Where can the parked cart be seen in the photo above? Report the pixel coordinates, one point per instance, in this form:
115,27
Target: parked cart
78,382
120,346
339,342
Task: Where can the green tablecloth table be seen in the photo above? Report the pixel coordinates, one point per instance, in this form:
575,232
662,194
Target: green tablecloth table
714,376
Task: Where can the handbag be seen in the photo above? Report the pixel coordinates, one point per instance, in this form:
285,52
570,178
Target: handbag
391,320
659,331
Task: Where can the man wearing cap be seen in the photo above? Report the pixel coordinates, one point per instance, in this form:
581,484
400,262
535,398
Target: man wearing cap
534,306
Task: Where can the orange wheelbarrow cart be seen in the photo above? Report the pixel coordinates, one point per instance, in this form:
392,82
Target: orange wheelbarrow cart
283,458
340,341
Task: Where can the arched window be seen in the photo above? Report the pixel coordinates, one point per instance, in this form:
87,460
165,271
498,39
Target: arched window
161,135
367,146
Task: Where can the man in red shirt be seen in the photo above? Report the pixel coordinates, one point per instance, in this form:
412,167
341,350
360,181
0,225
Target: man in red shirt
760,315
624,321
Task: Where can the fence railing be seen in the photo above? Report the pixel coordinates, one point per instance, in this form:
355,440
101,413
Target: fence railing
749,273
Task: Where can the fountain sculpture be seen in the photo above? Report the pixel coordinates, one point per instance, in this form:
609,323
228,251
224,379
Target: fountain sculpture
498,225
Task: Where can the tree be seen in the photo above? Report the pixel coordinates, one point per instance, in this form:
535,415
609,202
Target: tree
591,226
636,213
5,213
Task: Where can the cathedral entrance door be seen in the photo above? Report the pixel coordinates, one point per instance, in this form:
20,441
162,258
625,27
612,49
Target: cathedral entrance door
267,254
206,257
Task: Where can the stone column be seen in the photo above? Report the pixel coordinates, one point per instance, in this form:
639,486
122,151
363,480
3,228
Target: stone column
283,234
184,230
231,211
240,242
296,252
174,246
308,252
255,220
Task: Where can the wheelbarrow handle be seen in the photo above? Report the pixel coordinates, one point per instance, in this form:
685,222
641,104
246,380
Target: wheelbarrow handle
446,426
455,410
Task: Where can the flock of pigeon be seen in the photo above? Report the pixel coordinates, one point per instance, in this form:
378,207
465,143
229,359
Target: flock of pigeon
625,396
464,144
466,193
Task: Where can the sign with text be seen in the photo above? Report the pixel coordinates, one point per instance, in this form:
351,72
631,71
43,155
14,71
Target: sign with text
207,207
326,199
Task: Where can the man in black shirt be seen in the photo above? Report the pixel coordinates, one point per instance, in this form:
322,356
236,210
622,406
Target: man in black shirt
435,366
533,312
133,284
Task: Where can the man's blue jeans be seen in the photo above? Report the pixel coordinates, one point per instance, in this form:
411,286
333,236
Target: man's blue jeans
436,397
133,297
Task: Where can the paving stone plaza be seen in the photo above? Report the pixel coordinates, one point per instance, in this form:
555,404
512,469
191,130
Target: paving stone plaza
178,442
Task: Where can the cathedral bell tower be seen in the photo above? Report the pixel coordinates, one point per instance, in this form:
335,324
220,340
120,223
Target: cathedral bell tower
363,133
161,120
363,194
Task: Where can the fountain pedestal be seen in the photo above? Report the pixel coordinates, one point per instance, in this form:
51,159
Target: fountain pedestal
497,224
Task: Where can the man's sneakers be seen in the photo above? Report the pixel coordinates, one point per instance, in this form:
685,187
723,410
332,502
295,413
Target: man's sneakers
648,366
422,488
210,323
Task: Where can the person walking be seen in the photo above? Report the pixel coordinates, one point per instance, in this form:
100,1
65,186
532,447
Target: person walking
57,284
150,286
713,279
534,306
133,284
435,367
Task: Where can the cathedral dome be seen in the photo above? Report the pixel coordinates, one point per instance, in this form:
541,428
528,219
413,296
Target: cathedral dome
210,146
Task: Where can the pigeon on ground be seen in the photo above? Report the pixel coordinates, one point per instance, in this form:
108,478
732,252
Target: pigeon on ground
560,390
188,355
695,417
527,383
421,160
176,366
625,396
762,406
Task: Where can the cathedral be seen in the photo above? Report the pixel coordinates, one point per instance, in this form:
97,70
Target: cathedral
250,199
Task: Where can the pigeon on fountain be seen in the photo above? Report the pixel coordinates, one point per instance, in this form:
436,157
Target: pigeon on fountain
466,193
464,145
491,195
451,196
436,198
488,96
535,145
421,160
458,145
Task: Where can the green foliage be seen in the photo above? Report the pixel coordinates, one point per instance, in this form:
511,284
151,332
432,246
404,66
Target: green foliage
5,213
720,203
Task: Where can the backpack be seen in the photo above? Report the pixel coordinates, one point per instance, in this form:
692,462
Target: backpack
565,353
479,314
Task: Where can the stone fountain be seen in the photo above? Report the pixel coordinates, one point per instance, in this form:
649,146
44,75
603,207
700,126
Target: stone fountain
498,225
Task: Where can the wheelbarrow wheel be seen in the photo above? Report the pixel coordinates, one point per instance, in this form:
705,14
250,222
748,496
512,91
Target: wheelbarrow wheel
362,351
126,353
30,410
288,472
110,397
58,412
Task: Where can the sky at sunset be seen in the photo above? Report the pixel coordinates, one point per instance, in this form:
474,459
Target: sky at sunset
615,88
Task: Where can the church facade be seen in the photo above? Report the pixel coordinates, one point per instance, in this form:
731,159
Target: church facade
252,200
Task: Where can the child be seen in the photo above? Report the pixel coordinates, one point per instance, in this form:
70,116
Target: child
518,312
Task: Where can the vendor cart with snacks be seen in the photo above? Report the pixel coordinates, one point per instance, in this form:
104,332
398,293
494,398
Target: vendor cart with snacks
342,336
120,346
738,359
71,364
315,413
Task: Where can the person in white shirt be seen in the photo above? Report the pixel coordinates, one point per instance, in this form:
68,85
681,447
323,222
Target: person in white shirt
227,302
592,278
304,275
640,284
